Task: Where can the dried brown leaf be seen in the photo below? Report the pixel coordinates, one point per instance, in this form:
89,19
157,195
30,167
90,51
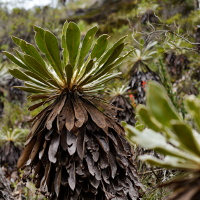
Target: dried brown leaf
35,149
79,114
72,176
103,141
97,116
90,164
26,153
81,143
55,111
69,113
41,153
113,165
79,102
53,148
71,142
63,139
57,181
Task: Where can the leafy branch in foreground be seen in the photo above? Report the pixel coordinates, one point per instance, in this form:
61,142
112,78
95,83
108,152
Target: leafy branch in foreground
75,150
169,135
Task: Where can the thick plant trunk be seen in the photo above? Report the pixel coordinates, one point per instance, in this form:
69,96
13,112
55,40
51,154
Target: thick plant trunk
5,190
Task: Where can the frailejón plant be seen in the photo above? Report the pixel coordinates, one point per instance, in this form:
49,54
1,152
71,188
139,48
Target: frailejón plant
75,150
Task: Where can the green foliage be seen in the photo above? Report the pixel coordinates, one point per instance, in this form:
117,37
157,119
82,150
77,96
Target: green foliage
86,71
167,133
16,135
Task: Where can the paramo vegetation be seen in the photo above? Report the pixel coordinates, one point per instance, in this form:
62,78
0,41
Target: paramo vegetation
100,100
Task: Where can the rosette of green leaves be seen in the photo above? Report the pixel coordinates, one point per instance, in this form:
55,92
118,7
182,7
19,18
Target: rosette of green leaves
84,65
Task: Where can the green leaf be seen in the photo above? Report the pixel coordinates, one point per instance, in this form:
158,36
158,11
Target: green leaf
32,51
160,105
53,53
15,60
36,67
38,80
36,86
100,47
107,67
48,44
121,58
35,76
73,37
18,74
54,82
114,55
186,137
170,162
86,45
193,106
110,51
88,67
151,140
83,72
16,40
30,89
147,118
39,38
69,73
64,45
20,56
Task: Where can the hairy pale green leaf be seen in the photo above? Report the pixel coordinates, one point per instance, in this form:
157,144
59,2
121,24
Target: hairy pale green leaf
151,140
86,45
73,37
169,162
108,66
160,105
120,59
101,80
99,47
